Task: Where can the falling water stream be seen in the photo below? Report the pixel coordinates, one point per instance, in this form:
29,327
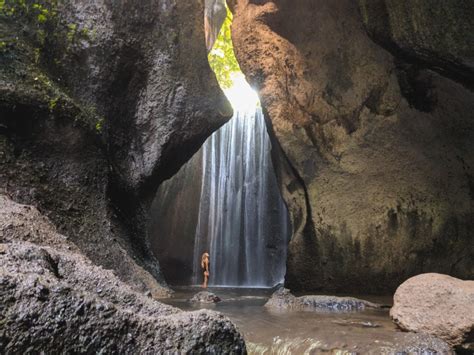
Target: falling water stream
243,220
240,218
225,201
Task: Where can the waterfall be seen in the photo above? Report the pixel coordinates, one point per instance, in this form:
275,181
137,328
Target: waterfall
225,201
243,221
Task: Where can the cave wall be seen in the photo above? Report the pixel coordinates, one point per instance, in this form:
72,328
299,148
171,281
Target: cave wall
174,216
374,120
437,35
98,104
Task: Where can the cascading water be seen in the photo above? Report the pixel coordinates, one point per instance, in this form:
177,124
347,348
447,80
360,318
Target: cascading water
240,218
243,220
225,201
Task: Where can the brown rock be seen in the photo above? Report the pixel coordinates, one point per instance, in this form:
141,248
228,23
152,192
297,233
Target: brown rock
436,304
376,151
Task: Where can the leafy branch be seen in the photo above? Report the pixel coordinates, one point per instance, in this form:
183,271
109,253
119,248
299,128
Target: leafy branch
222,58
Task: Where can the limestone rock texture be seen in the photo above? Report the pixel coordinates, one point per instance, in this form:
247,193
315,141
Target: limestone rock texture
283,299
54,299
439,36
205,297
100,102
436,304
373,135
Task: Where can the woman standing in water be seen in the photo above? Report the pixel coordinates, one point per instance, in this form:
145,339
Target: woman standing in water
205,267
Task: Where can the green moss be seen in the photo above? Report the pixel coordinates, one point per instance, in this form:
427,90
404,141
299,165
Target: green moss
39,23
53,103
99,125
36,42
71,33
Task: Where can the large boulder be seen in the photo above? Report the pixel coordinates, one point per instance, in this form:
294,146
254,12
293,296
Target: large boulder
54,299
436,304
373,136
283,299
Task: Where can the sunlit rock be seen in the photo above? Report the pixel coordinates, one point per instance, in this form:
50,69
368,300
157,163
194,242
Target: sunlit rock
436,304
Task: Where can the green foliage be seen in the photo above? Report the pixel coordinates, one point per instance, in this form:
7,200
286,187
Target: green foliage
40,24
222,58
36,18
99,125
53,103
35,13
71,33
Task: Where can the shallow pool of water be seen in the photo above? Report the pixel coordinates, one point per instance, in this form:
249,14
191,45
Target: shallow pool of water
283,332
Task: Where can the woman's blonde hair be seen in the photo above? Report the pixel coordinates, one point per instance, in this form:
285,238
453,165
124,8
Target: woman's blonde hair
205,255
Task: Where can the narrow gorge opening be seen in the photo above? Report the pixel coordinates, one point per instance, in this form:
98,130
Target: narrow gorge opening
226,199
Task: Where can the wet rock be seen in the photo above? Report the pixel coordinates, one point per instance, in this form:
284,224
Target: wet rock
205,297
436,304
283,299
411,343
41,312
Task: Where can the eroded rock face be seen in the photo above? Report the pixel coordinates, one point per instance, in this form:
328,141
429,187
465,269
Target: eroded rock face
436,304
439,36
56,300
283,299
374,151
117,97
214,15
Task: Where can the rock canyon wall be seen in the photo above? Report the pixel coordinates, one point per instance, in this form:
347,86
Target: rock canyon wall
99,102
371,103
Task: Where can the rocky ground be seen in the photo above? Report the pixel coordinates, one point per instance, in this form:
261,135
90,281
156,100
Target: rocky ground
54,299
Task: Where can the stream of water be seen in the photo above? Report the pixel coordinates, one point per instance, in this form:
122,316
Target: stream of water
269,331
243,221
